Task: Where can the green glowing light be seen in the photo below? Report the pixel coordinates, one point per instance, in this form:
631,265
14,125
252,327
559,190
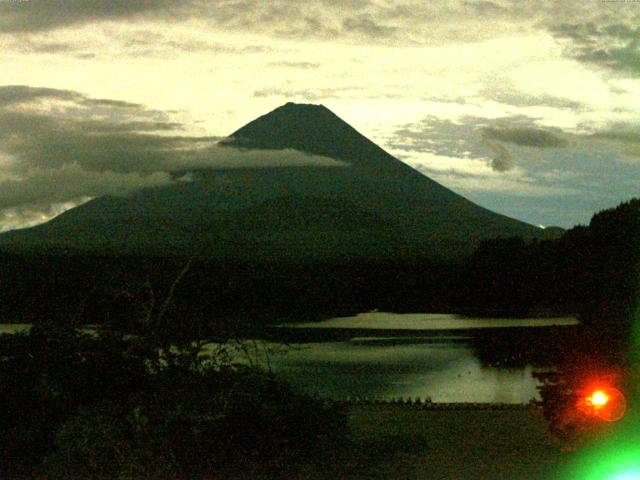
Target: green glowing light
618,462
629,475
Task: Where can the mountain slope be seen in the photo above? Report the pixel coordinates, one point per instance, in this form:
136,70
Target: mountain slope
373,206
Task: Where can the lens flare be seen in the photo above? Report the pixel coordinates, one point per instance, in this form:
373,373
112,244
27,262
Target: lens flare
598,399
618,459
630,475
606,403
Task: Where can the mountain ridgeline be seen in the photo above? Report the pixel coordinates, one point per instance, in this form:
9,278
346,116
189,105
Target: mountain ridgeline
369,205
296,241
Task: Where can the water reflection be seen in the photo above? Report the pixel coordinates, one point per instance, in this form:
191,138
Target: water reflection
430,321
448,358
444,372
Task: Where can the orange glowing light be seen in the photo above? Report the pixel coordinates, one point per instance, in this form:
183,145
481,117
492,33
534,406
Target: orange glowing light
598,399
607,404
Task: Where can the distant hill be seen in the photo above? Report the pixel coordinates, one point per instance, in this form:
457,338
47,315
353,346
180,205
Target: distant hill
375,206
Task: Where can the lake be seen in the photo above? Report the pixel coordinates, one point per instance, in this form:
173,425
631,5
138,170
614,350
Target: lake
430,322
387,355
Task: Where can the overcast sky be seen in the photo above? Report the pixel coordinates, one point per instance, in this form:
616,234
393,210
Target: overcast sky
528,108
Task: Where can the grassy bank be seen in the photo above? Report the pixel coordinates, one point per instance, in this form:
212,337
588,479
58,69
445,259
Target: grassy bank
396,442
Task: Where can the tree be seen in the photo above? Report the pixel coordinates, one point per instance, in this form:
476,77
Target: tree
602,273
138,398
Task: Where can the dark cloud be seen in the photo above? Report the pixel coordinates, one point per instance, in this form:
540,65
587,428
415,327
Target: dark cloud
100,135
629,136
622,139
20,94
72,146
615,46
486,8
588,163
12,94
439,136
576,31
460,140
28,45
512,97
363,21
625,58
526,136
501,161
366,24
476,138
436,22
121,144
324,19
69,181
309,27
42,15
110,103
469,136
152,43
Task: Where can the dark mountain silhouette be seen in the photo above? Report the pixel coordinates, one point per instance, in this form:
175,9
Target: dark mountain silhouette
374,206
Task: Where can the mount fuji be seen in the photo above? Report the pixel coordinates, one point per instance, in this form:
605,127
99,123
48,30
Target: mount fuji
366,204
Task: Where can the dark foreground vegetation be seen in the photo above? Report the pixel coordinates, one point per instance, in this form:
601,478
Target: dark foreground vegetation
100,288
107,405
136,399
592,271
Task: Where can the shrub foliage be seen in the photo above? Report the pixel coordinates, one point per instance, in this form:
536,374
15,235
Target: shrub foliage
105,404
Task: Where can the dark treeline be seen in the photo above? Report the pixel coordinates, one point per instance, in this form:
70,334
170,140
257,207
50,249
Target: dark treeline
590,271
96,289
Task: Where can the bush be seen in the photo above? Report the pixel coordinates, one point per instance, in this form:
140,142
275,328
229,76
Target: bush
222,424
100,405
46,375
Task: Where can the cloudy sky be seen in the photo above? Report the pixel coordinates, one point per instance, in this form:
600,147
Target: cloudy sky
527,108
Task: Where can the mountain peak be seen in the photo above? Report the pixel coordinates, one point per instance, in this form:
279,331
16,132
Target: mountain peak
303,106
376,206
305,127
303,112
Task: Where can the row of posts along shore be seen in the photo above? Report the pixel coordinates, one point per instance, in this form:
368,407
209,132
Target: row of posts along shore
428,404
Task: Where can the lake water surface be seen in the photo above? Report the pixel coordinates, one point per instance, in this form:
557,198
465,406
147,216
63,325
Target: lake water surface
412,363
402,355
431,321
